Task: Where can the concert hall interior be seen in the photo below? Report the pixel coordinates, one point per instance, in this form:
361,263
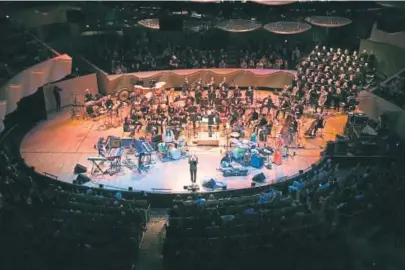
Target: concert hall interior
202,134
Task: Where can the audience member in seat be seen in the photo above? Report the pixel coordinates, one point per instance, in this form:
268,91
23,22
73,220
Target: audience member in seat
200,201
296,186
118,196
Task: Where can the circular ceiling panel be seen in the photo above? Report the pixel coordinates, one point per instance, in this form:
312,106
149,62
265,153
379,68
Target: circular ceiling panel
287,28
238,26
273,3
150,23
328,21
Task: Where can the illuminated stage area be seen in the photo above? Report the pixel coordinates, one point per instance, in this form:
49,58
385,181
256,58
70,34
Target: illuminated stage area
57,145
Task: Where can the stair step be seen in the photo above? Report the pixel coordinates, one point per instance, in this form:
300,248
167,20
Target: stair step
150,252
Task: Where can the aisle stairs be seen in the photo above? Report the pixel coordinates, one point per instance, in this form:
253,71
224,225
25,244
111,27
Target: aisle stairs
150,253
233,55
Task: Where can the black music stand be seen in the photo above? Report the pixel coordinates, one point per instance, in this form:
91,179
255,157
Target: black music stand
95,167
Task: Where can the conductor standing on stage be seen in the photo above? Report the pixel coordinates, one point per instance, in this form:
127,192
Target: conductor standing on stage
56,94
193,161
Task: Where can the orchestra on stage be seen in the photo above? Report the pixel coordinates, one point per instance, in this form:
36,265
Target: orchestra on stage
169,119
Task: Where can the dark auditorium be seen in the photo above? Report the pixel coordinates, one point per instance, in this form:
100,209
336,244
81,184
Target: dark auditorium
202,134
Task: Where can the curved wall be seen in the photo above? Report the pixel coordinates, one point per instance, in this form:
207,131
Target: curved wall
28,81
271,78
395,39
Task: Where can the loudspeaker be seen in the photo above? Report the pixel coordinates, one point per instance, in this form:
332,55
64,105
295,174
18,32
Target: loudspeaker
157,139
82,179
259,178
79,169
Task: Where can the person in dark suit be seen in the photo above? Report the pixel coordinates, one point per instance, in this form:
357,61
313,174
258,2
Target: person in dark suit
56,94
211,122
193,161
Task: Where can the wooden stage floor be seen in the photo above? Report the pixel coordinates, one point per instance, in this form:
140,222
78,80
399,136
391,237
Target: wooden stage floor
58,144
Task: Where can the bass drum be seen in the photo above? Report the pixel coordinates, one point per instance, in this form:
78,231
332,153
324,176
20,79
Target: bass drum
123,95
175,154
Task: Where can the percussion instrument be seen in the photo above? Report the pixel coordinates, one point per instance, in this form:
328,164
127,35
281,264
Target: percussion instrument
234,135
170,146
238,152
249,144
162,147
175,153
235,141
148,96
123,95
182,142
253,138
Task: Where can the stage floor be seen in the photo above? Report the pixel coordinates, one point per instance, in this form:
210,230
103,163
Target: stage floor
58,144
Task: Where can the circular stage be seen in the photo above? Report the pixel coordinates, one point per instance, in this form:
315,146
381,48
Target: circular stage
58,144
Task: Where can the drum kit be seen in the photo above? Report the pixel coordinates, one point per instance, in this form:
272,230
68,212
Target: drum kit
241,150
171,152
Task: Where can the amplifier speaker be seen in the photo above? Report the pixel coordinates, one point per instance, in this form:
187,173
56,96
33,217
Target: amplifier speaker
79,169
259,178
157,139
82,179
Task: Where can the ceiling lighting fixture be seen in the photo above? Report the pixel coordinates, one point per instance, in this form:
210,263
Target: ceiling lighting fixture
287,28
150,23
328,21
238,26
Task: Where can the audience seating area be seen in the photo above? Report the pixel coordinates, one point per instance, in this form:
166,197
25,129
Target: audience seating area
19,51
393,89
144,51
52,225
287,228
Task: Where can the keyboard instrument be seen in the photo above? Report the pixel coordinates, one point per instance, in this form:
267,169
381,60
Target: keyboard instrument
96,159
147,147
115,153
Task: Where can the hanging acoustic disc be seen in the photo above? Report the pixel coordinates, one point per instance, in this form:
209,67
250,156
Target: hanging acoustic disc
238,26
150,23
273,3
287,28
328,21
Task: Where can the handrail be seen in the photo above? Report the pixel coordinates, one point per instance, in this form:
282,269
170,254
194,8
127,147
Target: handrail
94,66
44,44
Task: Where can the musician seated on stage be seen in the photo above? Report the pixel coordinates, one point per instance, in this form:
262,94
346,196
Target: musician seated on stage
109,103
135,119
88,96
254,117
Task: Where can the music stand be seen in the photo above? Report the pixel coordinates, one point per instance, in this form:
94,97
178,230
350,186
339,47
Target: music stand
95,167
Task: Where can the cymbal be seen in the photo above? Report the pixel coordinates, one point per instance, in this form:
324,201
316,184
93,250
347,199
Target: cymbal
234,134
